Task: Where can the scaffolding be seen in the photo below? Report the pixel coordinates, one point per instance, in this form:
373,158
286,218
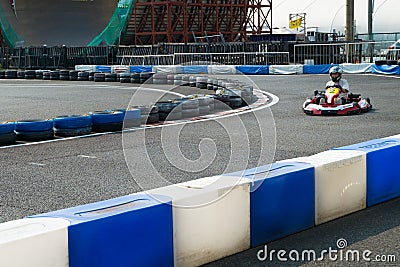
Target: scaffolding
180,21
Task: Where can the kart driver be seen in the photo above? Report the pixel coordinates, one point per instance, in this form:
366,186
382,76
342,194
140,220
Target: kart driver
336,81
335,73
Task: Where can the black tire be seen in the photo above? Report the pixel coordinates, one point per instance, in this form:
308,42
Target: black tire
21,74
107,127
35,136
160,81
39,75
72,121
72,132
10,74
64,72
83,74
380,62
235,101
391,62
190,113
64,77
204,110
33,125
172,116
150,118
168,106
99,77
54,75
124,80
8,139
110,77
83,78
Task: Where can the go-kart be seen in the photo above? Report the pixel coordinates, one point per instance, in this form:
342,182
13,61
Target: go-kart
329,103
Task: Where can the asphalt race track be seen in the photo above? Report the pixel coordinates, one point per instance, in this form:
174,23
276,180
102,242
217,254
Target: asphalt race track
48,176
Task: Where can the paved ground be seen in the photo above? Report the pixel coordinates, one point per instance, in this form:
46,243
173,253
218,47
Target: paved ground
50,176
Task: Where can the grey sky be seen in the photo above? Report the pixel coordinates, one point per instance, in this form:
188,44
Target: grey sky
332,14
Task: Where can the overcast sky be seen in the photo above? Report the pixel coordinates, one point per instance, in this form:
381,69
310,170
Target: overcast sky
327,14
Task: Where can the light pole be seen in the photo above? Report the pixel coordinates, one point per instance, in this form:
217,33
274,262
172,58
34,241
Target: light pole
349,20
370,17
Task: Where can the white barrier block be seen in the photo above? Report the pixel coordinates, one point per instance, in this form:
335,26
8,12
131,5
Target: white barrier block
34,242
221,69
286,69
340,183
356,68
167,69
397,136
211,218
85,68
119,69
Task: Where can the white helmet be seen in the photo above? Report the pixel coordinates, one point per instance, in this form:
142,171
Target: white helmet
336,69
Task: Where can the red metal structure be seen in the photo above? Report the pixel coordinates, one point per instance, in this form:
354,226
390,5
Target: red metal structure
180,21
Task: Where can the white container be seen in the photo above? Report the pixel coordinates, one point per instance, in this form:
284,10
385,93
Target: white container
340,183
211,218
34,242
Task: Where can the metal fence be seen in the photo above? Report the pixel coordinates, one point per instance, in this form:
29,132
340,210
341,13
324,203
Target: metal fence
337,53
244,53
242,58
59,57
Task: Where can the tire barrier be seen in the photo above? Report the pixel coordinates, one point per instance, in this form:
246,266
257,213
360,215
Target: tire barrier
21,74
83,76
34,130
72,125
30,74
107,121
132,118
135,78
99,77
124,77
175,109
46,75
10,74
148,115
73,75
110,77
169,110
64,75
201,82
7,134
160,78
146,77
54,75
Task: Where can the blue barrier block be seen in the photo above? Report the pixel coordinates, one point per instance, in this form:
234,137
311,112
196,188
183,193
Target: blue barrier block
256,69
386,69
105,69
139,69
133,230
317,69
194,69
383,168
282,200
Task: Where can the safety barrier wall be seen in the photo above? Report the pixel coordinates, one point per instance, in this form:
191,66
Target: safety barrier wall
251,69
200,221
134,230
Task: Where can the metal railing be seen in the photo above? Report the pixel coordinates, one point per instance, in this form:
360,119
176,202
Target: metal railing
242,58
337,53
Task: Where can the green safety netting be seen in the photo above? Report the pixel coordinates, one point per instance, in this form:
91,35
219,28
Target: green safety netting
10,36
117,26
